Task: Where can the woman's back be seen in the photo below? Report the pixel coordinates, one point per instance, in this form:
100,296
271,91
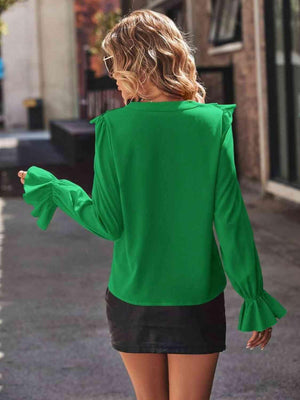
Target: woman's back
166,159
162,178
164,175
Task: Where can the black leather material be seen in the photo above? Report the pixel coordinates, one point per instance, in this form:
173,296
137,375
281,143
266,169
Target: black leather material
196,329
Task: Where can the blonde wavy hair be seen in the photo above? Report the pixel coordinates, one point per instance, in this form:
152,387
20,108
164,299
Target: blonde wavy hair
146,44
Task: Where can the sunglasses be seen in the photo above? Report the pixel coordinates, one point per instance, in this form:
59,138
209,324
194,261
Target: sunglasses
108,64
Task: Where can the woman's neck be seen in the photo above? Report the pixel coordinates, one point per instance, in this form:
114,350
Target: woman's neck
161,98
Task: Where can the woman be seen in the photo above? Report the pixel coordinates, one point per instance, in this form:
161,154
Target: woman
164,173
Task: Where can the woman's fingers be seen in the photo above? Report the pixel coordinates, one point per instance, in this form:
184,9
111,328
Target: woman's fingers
22,175
263,345
262,339
259,339
254,337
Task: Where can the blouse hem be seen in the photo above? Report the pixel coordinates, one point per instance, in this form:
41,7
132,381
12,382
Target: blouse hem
168,303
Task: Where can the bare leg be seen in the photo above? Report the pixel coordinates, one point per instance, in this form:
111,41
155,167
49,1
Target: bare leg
191,375
148,373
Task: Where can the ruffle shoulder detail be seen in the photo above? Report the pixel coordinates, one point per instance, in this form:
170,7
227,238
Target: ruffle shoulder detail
227,117
96,119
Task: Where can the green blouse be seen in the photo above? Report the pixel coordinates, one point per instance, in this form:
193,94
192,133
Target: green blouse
164,176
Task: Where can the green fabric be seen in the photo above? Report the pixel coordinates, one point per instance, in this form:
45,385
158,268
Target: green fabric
164,175
99,214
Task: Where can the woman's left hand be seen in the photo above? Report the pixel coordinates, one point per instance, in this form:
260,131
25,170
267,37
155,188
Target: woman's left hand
21,175
259,338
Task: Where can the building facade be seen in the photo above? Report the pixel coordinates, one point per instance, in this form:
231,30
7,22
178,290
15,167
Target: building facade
260,41
248,52
39,54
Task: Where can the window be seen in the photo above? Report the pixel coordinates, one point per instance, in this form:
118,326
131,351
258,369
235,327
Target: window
282,32
225,23
177,14
174,9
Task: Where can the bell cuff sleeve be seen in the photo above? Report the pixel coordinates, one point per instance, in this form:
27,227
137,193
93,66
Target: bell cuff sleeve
235,235
258,314
38,193
101,214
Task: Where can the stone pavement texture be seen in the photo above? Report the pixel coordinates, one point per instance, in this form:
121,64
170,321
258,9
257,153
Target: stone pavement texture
54,336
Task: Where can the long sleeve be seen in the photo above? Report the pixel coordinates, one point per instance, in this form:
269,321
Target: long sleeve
238,250
101,213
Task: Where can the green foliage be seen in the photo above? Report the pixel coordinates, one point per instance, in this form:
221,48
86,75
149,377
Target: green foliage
5,4
103,23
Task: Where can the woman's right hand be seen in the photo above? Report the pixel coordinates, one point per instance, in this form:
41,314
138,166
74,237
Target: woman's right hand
259,338
21,175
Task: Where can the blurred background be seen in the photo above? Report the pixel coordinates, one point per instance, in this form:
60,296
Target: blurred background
55,341
52,78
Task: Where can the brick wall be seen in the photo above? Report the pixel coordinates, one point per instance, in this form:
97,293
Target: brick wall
245,85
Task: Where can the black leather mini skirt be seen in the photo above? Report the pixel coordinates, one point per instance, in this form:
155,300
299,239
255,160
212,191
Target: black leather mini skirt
195,329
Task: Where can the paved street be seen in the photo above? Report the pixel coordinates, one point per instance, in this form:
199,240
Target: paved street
54,337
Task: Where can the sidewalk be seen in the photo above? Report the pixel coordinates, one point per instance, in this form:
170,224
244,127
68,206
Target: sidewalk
54,335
